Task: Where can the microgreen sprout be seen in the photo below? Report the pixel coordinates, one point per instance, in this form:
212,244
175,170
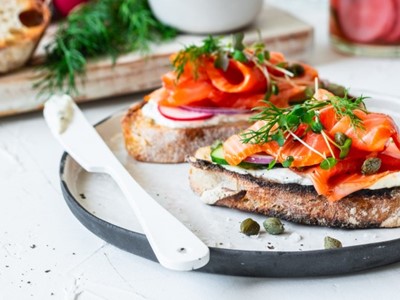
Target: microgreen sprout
283,123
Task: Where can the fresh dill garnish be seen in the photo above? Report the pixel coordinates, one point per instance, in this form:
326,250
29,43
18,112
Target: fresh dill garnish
284,123
213,47
280,121
344,106
99,28
191,54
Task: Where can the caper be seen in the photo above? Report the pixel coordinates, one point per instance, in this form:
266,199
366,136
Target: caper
249,227
273,226
296,69
340,138
371,166
332,243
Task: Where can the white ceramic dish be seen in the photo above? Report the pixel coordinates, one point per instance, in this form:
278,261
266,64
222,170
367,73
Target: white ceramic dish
206,16
98,203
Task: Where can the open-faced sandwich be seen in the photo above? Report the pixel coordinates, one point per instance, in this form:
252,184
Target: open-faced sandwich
327,161
209,95
22,25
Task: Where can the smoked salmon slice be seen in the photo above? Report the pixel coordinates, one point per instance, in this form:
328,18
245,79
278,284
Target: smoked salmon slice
235,150
238,78
302,156
238,84
352,183
374,136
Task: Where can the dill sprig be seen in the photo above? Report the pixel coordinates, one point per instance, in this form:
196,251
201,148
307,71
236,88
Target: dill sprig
280,121
191,54
283,123
99,28
345,106
213,47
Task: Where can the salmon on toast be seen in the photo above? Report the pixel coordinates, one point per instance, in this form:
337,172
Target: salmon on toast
210,94
328,161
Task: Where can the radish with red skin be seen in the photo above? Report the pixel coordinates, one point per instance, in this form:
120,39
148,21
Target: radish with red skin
65,6
366,20
217,110
179,114
262,159
394,33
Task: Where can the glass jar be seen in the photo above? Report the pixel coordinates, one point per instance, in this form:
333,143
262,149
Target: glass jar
365,27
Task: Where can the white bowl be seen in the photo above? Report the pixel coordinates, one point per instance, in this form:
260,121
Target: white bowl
206,16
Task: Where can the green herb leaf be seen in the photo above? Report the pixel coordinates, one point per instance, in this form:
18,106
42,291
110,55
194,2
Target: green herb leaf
237,41
292,120
279,138
328,163
298,110
316,125
267,95
222,61
308,117
288,162
271,164
260,57
275,89
239,56
345,149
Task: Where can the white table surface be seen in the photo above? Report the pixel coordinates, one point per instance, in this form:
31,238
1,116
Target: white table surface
45,253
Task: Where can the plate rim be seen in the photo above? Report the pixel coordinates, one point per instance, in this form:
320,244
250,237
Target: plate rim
241,262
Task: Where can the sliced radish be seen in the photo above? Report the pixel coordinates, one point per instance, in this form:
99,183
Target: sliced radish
216,110
366,20
261,159
179,114
394,33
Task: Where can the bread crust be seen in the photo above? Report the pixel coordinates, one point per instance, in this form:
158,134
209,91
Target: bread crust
293,202
18,48
149,142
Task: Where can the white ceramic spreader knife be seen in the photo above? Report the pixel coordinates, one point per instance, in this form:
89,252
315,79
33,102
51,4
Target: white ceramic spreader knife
174,245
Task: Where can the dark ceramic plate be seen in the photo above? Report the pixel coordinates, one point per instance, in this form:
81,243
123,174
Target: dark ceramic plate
97,203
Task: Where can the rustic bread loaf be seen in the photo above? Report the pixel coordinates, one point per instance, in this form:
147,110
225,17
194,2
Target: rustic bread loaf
21,27
292,202
147,141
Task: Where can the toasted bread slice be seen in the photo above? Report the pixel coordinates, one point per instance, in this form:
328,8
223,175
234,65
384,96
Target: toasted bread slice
22,25
147,141
291,202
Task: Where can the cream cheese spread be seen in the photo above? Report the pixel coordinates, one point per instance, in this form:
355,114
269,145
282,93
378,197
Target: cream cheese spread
287,176
150,110
62,111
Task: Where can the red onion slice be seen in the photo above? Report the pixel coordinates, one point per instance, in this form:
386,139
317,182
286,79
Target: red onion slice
217,110
178,114
262,159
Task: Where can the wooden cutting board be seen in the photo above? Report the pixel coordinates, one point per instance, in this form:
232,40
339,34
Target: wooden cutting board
136,73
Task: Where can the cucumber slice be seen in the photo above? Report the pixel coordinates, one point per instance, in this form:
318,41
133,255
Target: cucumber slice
217,156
